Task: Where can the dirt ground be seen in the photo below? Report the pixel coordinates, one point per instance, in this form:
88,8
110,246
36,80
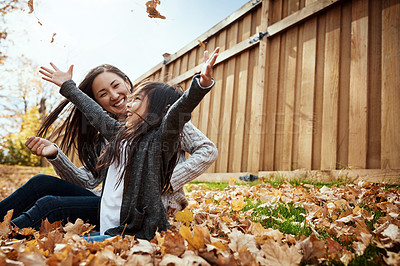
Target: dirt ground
12,177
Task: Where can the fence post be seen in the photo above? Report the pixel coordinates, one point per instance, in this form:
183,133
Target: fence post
164,74
257,97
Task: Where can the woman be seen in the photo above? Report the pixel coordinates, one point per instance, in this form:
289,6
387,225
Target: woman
73,196
141,157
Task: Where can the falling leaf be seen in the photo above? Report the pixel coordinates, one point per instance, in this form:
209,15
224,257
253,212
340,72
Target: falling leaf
30,5
151,9
185,216
52,37
202,44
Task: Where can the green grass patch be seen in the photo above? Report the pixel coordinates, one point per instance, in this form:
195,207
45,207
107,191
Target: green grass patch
277,180
283,216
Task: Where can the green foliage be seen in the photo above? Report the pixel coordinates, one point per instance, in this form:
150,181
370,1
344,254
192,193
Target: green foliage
12,147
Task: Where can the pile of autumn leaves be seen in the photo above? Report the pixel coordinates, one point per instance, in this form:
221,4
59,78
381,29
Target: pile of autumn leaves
214,230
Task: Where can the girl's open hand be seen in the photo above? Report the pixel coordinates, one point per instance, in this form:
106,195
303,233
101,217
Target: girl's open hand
56,76
41,147
206,71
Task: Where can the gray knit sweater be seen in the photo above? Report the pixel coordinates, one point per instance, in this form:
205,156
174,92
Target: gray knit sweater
142,210
202,150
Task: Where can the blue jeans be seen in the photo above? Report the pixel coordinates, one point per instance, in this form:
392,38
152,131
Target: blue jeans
96,237
45,196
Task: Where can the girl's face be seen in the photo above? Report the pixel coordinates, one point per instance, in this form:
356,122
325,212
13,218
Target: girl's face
110,91
136,107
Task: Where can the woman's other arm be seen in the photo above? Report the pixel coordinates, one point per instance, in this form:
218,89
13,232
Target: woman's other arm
62,165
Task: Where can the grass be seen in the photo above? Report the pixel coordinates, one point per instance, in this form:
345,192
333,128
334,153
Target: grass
283,216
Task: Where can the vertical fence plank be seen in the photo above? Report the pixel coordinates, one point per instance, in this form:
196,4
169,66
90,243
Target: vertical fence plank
331,90
177,68
289,83
319,92
306,129
344,87
390,84
279,112
375,88
253,63
294,164
239,122
257,97
215,134
358,85
274,52
226,116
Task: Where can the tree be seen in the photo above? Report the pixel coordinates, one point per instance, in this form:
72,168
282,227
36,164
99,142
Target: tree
24,99
6,6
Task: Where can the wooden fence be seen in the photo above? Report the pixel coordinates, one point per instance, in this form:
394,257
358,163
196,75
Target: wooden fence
320,91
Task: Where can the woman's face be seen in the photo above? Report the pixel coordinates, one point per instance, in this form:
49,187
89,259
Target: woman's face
136,107
110,91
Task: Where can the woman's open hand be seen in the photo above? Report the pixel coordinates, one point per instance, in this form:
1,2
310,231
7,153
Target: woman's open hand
41,147
206,71
56,76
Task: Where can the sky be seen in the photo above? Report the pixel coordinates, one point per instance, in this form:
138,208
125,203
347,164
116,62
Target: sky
117,32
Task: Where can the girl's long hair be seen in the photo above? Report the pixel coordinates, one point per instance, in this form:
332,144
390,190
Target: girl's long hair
76,131
159,97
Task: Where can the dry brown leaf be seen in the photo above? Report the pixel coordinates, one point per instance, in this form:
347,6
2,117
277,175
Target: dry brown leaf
185,216
190,258
151,9
31,259
196,240
78,228
49,242
334,249
140,260
276,254
202,44
5,226
238,204
312,248
46,227
174,244
226,260
239,241
30,6
393,258
52,37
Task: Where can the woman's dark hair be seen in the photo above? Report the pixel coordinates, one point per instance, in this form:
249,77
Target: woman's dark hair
160,96
76,131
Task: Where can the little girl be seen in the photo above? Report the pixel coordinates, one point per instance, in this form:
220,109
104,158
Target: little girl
141,157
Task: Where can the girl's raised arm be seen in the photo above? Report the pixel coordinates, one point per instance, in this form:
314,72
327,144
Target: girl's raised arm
180,111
